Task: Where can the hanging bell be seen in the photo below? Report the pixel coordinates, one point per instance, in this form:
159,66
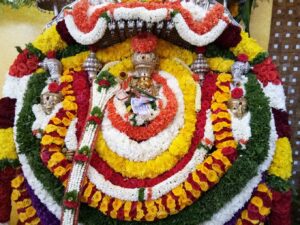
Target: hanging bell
92,65
200,65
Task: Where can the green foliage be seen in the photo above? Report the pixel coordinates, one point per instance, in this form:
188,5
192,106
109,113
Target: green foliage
277,183
71,50
71,195
213,50
9,163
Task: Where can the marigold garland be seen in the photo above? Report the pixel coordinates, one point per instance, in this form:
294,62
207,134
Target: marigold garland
179,146
247,46
220,64
258,208
7,144
49,40
26,212
282,161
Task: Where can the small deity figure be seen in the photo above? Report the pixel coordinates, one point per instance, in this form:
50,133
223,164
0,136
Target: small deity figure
139,91
238,107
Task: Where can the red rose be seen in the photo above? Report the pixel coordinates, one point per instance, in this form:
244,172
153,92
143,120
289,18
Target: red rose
242,58
70,204
237,93
230,153
80,157
22,69
253,212
95,119
104,83
51,54
54,87
32,64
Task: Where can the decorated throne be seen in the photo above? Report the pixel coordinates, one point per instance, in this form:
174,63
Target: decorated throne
144,112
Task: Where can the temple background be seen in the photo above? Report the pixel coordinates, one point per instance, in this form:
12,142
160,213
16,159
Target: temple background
280,34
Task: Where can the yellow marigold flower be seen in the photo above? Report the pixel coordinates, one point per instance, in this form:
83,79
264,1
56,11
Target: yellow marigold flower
56,120
216,105
97,197
221,115
22,217
188,186
15,195
59,171
50,128
69,105
230,143
7,144
220,64
212,176
257,201
223,135
47,140
127,209
23,204
70,115
178,190
209,160
171,204
161,212
264,211
282,161
66,78
139,211
58,141
217,169
30,212
87,192
104,204
224,77
221,125
17,182
247,46
204,186
66,121
239,222
55,158
49,40
62,131
195,177
262,188
151,210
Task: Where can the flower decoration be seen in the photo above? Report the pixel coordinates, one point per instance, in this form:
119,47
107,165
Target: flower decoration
230,37
237,93
267,72
242,58
54,87
24,64
144,43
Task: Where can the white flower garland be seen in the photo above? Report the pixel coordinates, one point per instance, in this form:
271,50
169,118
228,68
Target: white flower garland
71,138
15,86
86,38
197,12
238,201
149,16
276,95
241,127
151,148
208,131
158,190
193,38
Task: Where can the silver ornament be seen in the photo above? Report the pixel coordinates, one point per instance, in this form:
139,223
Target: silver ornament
92,65
200,65
54,67
238,70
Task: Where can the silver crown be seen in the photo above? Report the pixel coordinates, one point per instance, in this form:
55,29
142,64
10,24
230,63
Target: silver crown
144,63
200,65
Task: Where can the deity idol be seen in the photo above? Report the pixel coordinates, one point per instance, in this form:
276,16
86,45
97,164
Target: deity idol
144,112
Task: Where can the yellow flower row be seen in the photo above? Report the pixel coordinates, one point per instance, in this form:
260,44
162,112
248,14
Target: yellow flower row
24,207
7,144
247,46
282,161
123,51
258,202
220,64
49,40
178,147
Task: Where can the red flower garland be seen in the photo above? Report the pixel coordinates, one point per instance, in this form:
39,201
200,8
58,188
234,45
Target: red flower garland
24,64
267,72
7,112
281,208
230,37
237,93
144,43
155,126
